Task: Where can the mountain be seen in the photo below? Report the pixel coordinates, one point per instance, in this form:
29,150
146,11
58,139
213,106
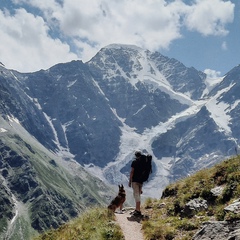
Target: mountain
69,131
38,191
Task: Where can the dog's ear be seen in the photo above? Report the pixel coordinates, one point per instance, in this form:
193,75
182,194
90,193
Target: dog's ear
118,186
122,186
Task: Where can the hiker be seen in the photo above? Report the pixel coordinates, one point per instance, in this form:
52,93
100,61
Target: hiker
135,182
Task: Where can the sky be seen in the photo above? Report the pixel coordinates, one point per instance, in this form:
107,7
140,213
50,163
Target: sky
203,34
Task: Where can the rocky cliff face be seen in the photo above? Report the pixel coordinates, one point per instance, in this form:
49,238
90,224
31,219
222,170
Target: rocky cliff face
77,112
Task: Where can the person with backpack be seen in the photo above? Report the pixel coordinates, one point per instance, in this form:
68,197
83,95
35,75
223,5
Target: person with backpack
140,170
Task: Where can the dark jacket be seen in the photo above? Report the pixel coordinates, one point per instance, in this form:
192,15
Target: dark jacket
137,165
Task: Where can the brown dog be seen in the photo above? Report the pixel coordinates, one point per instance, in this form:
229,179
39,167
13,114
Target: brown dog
118,201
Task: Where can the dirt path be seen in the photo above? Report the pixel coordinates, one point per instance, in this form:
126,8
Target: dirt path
131,227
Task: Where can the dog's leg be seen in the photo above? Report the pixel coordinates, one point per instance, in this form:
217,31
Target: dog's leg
120,208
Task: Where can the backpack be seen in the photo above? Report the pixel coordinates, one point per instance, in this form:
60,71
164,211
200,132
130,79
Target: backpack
146,163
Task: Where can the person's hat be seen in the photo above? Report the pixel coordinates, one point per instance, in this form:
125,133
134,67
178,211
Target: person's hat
138,154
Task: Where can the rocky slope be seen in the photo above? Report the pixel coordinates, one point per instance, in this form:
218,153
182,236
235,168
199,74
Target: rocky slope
205,205
37,191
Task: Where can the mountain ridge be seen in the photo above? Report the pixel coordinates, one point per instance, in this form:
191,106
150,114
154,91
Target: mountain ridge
96,114
37,191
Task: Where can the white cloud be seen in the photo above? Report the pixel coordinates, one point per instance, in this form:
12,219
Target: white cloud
224,46
26,45
213,74
91,25
209,17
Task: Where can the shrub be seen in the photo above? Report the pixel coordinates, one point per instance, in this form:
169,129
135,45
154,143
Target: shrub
169,191
230,216
228,191
158,231
219,213
187,225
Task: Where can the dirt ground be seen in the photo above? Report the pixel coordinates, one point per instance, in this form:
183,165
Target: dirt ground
131,226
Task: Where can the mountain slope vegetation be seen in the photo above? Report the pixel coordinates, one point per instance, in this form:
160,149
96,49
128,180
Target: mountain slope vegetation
172,216
37,192
95,223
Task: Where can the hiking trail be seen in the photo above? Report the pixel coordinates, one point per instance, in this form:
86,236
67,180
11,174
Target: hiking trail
131,228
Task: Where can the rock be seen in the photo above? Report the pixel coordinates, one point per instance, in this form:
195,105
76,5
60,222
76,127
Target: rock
4,173
217,191
162,205
234,207
194,206
217,230
53,163
6,204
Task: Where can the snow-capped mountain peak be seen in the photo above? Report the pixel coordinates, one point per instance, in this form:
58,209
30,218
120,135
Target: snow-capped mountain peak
124,99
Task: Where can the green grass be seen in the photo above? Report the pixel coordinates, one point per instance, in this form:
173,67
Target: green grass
21,230
95,223
166,219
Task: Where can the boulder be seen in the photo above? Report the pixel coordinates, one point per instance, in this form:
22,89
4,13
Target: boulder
216,230
193,206
234,207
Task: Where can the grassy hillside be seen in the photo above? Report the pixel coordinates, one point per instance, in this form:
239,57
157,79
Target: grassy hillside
37,191
169,217
95,223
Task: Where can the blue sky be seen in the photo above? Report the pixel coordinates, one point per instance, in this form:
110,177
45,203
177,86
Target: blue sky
220,53
203,34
